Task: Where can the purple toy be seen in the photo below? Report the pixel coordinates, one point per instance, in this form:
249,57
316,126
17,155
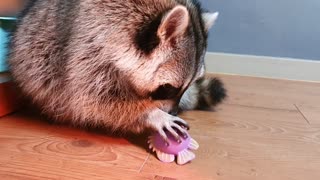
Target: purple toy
167,153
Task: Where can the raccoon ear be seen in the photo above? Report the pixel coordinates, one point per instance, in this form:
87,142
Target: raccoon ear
174,23
209,19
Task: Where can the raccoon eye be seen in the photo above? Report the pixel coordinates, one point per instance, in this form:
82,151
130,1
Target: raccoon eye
165,92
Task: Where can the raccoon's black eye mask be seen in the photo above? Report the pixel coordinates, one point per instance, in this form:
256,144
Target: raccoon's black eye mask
165,92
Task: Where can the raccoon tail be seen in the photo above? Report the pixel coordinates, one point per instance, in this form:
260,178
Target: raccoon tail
204,94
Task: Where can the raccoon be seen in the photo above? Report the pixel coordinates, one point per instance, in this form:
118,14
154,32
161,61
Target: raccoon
127,65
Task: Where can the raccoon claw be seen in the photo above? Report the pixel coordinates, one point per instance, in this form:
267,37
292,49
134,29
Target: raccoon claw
164,123
180,130
176,131
182,123
174,134
163,133
164,137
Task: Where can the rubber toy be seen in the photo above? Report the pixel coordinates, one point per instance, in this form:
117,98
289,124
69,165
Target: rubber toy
168,153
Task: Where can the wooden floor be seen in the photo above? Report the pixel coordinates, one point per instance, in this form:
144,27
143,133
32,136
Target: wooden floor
267,129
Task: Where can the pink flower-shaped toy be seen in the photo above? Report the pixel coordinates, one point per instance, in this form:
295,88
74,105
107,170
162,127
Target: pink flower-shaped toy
167,153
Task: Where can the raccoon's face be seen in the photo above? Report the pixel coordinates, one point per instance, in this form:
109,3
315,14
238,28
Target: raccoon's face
173,47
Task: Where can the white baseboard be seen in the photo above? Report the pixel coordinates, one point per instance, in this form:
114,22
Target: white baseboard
261,66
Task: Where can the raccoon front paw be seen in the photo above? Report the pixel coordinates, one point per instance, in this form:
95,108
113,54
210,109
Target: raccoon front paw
163,122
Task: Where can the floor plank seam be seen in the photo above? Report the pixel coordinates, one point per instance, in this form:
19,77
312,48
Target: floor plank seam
304,117
260,107
144,163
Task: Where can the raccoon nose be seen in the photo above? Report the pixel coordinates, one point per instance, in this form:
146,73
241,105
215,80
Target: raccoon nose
165,92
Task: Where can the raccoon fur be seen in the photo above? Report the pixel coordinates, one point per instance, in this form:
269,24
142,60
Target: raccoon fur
127,65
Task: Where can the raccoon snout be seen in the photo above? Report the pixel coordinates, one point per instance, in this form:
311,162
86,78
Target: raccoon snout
166,91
